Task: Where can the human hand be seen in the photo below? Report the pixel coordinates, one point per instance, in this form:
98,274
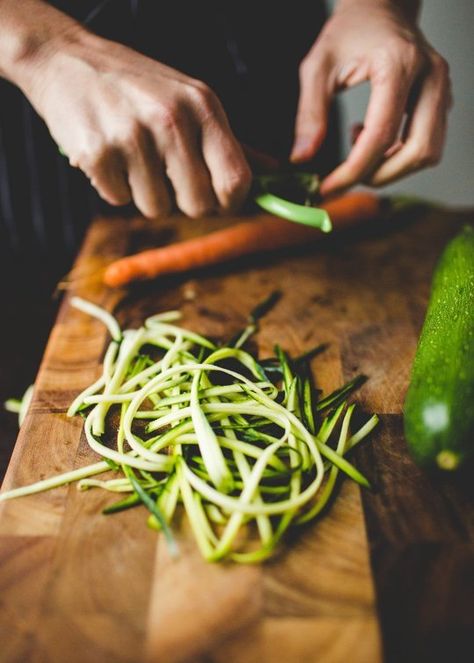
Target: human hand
138,129
410,93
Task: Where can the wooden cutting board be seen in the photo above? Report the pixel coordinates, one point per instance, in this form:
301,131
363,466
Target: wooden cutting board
386,575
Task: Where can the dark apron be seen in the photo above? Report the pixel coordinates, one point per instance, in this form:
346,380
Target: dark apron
248,53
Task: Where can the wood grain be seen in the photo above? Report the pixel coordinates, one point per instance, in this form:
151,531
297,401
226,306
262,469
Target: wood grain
78,586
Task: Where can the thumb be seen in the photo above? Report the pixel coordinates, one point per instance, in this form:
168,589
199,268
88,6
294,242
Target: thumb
313,109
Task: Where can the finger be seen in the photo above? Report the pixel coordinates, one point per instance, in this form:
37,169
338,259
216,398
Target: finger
426,130
146,176
107,172
189,175
356,130
381,126
230,173
316,90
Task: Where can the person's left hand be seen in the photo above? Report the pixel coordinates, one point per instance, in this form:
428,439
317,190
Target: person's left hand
410,88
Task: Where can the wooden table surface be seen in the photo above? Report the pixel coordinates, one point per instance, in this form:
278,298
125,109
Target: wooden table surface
385,575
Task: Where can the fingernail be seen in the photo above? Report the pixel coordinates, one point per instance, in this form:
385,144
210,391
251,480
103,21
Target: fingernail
301,147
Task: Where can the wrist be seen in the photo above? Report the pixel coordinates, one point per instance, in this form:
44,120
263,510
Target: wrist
30,34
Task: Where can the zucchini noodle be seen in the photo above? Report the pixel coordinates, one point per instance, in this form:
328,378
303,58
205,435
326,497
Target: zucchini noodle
246,451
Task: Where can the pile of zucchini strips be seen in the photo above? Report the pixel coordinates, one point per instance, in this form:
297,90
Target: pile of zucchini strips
248,448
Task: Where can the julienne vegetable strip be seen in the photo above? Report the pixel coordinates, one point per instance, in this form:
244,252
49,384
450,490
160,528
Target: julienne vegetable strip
20,406
246,451
306,213
309,216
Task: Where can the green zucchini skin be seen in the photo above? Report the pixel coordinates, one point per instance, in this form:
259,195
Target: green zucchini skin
439,405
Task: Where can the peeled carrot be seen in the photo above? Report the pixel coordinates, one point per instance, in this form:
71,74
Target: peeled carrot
265,234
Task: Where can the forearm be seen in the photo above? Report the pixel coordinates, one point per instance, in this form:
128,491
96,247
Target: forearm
29,31
409,8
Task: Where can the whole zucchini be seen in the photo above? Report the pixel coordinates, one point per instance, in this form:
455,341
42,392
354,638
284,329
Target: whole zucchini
439,405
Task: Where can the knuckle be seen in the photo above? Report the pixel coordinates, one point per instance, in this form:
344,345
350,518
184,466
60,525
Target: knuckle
386,59
205,103
235,186
119,198
157,212
440,65
131,134
201,96
431,159
155,209
197,209
412,56
169,116
424,157
384,71
399,57
92,158
398,60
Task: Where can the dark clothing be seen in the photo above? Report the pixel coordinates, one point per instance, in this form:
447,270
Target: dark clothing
249,55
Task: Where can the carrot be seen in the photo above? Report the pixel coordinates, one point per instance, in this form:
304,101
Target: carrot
265,234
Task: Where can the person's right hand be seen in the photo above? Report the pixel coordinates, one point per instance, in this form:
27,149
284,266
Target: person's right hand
138,129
